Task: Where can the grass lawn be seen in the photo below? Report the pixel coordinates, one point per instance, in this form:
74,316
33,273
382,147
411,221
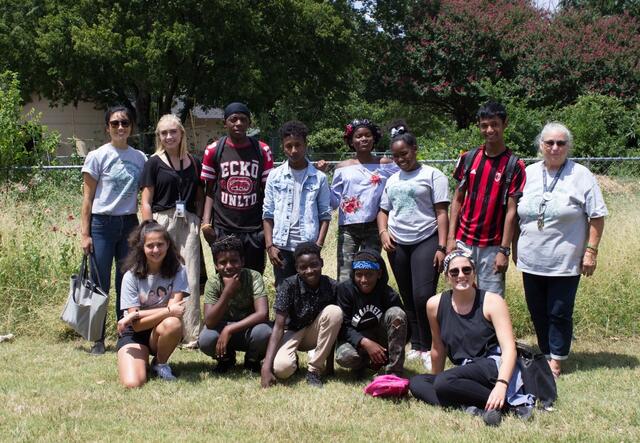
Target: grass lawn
57,392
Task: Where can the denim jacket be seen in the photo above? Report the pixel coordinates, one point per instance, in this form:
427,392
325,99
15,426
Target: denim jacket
278,203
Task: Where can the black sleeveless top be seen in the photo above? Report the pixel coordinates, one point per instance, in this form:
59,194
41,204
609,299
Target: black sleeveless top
465,336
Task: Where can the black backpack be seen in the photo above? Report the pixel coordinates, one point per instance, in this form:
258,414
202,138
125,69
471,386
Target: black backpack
220,147
508,172
536,375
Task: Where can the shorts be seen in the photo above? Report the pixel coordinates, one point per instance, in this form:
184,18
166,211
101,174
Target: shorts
129,336
484,259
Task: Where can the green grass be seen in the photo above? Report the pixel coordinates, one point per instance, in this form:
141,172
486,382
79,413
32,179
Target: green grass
51,390
57,392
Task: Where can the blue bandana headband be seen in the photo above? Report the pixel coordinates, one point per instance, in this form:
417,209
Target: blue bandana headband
366,264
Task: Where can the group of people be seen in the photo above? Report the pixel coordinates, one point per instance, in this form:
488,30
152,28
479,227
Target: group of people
552,213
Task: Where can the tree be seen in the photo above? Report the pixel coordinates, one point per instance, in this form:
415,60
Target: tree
206,51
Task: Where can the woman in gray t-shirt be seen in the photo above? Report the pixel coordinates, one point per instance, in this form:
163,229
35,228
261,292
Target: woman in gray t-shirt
153,292
111,176
561,219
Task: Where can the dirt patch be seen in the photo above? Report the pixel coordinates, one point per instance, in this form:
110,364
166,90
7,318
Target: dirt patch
616,185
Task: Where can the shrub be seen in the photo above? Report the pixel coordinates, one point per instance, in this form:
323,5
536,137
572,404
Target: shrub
601,126
23,140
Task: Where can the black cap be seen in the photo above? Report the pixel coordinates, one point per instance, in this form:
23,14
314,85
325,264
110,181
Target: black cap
236,108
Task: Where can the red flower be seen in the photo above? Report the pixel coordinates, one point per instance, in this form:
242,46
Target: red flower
351,205
375,179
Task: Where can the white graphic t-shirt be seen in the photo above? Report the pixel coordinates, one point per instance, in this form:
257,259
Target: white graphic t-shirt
153,291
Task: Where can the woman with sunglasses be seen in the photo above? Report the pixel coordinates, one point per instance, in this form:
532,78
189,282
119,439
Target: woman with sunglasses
111,176
172,194
467,325
561,219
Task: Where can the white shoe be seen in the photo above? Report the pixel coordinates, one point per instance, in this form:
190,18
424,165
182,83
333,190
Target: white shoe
426,360
163,370
414,354
311,354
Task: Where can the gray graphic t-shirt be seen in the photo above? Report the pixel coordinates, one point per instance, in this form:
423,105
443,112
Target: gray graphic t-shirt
117,172
409,197
151,292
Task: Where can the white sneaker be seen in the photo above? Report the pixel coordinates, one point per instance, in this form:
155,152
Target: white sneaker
426,360
414,354
163,370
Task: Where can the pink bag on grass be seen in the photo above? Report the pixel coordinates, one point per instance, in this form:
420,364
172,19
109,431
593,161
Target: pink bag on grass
388,386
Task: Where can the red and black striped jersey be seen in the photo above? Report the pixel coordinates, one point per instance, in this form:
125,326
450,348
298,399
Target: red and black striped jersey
481,217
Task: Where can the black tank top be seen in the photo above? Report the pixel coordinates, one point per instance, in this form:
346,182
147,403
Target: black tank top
465,336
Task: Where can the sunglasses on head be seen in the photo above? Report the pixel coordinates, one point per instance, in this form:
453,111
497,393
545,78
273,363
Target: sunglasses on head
466,270
550,143
116,123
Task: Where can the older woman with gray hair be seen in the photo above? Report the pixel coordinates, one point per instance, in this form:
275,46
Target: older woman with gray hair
561,219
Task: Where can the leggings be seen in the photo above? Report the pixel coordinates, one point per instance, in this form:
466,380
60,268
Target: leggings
468,385
417,281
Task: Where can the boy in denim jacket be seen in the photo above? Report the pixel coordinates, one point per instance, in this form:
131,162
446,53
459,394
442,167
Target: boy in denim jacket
296,203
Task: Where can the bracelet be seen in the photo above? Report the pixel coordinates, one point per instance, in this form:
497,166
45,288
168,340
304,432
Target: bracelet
500,380
382,232
442,249
592,248
267,247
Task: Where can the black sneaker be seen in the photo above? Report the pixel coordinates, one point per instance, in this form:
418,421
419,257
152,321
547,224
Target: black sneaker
252,365
313,379
224,365
492,417
97,348
523,412
474,410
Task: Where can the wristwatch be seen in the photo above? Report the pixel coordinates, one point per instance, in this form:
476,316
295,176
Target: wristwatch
505,251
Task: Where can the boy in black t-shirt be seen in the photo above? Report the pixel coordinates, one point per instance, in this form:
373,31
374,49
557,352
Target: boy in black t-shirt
374,328
235,170
306,318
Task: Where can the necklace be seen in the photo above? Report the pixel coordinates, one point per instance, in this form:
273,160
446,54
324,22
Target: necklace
547,193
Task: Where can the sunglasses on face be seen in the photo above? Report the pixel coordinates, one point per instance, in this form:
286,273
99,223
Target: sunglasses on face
116,123
550,143
466,270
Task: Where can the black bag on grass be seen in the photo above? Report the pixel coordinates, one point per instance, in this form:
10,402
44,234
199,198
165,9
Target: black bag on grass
536,375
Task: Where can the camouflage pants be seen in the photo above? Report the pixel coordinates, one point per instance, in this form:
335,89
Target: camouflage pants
351,239
391,333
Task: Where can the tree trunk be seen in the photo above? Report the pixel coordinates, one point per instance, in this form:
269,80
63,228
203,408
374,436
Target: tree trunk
143,108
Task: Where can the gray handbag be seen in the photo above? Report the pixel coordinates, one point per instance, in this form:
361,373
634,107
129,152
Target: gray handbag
86,306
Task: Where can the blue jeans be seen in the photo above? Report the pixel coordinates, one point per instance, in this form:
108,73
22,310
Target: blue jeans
289,268
110,234
550,301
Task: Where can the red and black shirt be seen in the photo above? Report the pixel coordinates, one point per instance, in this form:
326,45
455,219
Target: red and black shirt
481,218
240,179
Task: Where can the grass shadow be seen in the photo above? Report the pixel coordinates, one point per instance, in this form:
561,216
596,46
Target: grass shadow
589,361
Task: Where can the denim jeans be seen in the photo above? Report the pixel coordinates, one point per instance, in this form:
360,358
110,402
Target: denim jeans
287,270
550,301
110,234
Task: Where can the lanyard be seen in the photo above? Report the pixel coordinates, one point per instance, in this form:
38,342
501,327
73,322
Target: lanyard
546,194
178,173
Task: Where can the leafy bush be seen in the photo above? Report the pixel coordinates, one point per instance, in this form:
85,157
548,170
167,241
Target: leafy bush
602,126
23,140
328,144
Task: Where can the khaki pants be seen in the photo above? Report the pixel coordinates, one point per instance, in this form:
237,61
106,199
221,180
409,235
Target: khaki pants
185,232
319,335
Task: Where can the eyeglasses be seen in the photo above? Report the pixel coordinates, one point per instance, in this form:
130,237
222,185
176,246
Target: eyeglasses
550,143
116,123
466,270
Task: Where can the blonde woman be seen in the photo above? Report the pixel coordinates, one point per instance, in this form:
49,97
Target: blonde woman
172,195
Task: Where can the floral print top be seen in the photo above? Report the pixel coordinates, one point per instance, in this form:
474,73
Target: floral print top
356,191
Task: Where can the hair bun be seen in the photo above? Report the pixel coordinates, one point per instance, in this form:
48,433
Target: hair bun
398,130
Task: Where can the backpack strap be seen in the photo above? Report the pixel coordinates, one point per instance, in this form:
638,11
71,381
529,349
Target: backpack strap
218,156
508,171
468,161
